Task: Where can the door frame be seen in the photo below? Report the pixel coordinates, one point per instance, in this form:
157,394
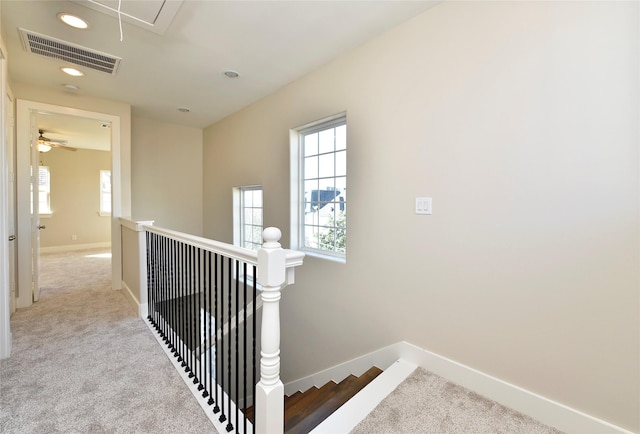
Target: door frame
5,293
23,129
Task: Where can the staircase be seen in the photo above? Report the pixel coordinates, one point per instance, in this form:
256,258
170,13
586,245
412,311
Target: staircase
306,410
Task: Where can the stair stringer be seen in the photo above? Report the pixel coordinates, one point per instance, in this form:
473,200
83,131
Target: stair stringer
349,415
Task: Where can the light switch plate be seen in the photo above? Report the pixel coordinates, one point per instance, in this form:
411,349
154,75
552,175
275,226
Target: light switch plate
423,205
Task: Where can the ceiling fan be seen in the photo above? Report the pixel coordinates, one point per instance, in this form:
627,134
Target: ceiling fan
45,144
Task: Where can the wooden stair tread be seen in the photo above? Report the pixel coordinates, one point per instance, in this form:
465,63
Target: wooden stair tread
307,405
306,410
330,402
292,400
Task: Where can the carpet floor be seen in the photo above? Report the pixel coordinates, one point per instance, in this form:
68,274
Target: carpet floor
83,362
428,404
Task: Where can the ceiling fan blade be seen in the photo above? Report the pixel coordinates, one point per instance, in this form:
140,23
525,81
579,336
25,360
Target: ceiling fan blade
61,146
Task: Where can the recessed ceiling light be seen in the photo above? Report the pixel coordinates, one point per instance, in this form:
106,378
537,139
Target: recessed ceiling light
72,71
183,109
71,87
73,21
231,74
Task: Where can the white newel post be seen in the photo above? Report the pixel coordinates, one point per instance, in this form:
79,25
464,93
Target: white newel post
142,261
269,407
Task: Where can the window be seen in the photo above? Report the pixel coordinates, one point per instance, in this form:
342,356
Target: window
319,156
248,217
105,192
44,190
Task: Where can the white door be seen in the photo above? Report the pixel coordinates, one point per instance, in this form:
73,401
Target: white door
36,227
11,217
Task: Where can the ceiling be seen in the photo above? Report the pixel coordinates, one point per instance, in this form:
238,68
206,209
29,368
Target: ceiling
174,53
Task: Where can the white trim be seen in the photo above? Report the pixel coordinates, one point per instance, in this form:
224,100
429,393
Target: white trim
74,247
5,290
347,417
292,258
538,407
131,298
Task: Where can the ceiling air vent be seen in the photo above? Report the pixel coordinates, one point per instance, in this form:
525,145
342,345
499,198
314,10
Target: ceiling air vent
62,50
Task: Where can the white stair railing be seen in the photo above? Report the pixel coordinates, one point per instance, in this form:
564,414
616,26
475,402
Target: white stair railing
159,291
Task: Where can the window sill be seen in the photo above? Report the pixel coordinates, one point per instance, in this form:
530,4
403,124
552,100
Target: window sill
320,255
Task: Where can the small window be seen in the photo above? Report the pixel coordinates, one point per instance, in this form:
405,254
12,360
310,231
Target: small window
44,190
105,192
319,186
248,217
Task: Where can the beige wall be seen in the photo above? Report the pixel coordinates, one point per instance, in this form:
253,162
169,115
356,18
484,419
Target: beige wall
520,120
167,175
75,198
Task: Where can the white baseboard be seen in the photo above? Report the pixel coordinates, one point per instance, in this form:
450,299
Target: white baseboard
538,407
132,298
72,247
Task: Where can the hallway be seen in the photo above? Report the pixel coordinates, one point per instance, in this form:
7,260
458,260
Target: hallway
83,362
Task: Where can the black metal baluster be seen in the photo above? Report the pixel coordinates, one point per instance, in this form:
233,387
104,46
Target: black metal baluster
183,333
211,331
229,426
149,278
223,416
205,331
174,301
190,311
154,286
216,261
198,315
244,342
237,341
253,338
165,291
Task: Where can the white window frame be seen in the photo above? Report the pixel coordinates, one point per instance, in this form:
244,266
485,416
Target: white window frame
239,225
105,195
239,222
45,210
297,185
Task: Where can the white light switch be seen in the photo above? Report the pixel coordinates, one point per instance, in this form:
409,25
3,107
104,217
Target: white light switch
423,205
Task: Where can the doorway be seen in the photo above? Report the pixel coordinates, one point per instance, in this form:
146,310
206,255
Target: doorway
28,113
74,181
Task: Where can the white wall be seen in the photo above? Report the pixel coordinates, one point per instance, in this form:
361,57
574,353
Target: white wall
520,119
167,175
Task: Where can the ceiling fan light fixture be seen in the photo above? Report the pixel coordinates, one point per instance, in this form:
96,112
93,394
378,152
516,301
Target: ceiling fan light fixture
43,147
72,71
73,21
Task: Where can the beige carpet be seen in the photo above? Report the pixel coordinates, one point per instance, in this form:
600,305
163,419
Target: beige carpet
426,403
82,362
